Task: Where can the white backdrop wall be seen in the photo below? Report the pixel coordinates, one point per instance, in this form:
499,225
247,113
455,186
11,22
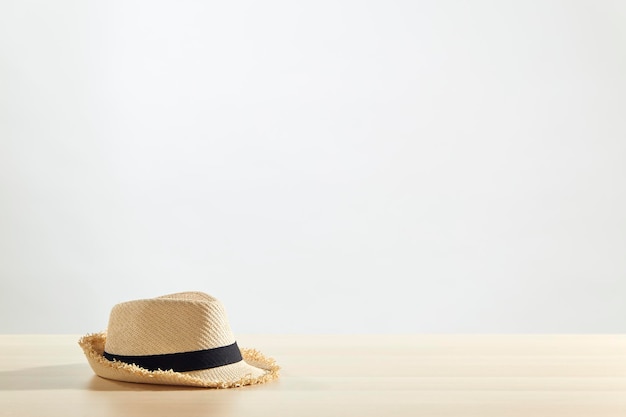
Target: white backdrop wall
321,166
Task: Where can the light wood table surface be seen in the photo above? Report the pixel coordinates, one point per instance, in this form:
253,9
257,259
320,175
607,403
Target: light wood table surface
361,375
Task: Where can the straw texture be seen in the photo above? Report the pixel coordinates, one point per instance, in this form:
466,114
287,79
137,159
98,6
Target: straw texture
167,324
182,322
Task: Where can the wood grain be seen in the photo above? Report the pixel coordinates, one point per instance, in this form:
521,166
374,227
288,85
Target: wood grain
342,375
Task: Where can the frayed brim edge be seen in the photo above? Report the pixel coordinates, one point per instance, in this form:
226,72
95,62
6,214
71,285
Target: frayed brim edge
93,347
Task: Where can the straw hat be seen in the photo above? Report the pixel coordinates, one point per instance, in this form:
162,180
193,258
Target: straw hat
176,339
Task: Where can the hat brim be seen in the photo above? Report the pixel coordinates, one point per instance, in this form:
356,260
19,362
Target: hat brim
255,368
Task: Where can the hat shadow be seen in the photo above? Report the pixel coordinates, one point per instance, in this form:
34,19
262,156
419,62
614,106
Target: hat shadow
97,383
72,376
80,377
69,376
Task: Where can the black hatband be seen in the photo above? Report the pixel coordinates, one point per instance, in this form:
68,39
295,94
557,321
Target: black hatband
184,361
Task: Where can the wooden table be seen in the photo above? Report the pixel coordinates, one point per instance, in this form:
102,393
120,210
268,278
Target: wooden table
375,375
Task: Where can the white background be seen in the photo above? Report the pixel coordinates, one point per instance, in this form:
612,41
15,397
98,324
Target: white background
319,166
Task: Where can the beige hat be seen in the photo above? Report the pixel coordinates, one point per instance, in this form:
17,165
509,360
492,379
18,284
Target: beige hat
176,339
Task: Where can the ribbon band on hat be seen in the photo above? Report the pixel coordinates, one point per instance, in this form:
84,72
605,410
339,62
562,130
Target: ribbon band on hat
183,361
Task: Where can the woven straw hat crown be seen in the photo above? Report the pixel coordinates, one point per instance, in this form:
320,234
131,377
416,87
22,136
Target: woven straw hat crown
173,323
